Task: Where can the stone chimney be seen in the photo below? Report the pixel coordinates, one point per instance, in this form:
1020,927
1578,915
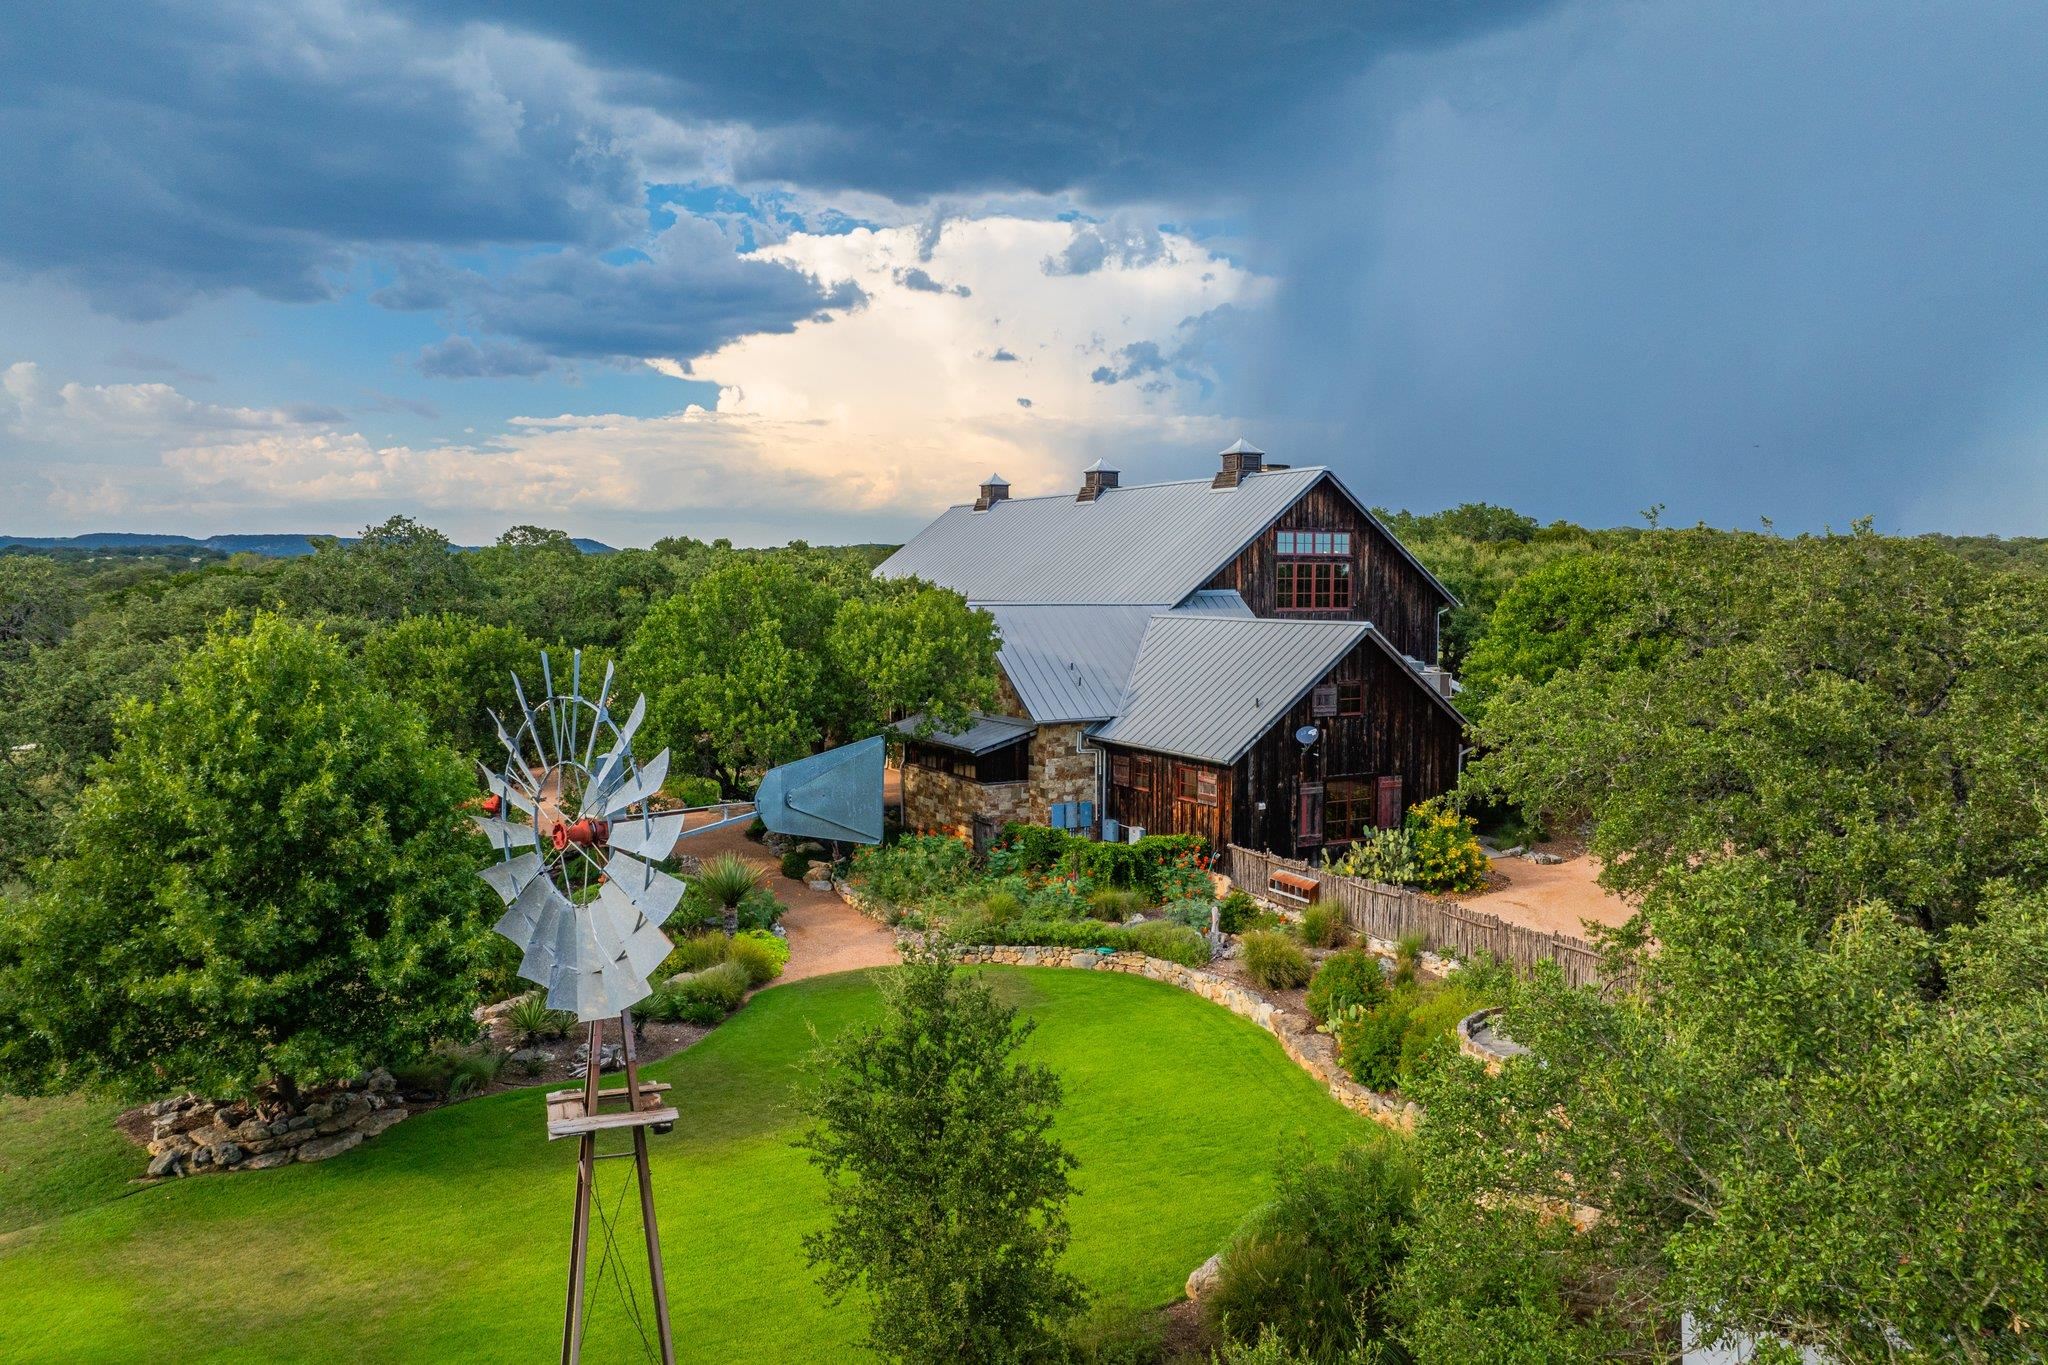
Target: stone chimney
1094,480
1240,459
993,491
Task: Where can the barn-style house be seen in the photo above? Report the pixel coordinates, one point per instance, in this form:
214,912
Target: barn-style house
1249,656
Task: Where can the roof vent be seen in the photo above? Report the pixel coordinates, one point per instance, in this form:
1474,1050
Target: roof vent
993,491
1240,459
1094,480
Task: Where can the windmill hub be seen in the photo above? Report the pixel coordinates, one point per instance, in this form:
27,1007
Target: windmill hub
581,833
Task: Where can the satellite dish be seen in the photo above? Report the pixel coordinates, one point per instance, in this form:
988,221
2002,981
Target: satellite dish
833,795
578,846
1307,735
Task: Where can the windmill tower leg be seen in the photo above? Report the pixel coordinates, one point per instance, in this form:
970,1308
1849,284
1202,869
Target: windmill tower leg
656,1280
586,1176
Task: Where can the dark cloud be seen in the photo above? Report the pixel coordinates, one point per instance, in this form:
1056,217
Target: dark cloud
922,97
458,357
1781,261
687,294
1138,358
180,150
1095,245
922,282
1003,354
1023,402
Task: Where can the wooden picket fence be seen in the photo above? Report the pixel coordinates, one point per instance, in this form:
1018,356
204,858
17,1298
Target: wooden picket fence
1391,913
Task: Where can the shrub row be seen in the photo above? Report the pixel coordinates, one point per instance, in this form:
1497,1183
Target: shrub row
1170,942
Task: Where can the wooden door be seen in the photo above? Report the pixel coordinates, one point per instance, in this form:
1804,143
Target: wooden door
1309,819
1390,808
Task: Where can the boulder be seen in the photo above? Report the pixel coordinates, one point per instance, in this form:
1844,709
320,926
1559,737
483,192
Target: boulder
1204,1277
1543,859
379,1121
281,1157
381,1082
322,1148
228,1154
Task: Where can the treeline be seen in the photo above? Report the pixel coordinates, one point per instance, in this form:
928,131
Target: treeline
748,657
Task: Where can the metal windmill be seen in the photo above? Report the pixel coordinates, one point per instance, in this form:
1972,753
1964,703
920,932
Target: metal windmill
578,839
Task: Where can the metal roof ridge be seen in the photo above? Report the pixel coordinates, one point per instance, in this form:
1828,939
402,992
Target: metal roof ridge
1163,483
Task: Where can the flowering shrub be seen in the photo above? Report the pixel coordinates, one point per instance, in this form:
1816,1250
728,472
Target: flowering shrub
913,869
1435,849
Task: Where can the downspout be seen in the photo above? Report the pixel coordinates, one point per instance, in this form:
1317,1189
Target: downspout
1441,612
1085,745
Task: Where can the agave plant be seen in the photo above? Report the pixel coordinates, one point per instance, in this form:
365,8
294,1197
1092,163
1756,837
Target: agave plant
724,882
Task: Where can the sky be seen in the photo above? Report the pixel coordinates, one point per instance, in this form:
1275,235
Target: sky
815,270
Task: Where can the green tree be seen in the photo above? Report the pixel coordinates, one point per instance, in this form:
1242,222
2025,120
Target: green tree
455,669
765,659
38,604
1825,1136
268,884
1857,709
1546,622
913,648
393,569
946,1187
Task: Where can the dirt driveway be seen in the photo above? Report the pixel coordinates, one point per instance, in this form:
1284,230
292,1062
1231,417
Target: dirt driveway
1556,899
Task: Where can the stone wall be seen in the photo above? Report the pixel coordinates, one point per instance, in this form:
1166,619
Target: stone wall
190,1136
1312,1051
940,803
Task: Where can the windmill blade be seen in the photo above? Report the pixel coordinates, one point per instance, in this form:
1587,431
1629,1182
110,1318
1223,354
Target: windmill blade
506,792
543,923
601,705
644,784
503,834
626,934
649,837
608,771
511,877
653,892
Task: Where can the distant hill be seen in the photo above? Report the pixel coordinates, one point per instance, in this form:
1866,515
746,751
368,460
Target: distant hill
285,545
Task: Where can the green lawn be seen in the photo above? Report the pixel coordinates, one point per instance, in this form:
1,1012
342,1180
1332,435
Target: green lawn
447,1236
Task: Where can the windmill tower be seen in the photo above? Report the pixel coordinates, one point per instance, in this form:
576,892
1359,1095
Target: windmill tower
570,813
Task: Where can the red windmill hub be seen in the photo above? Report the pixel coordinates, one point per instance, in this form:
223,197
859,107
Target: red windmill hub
582,833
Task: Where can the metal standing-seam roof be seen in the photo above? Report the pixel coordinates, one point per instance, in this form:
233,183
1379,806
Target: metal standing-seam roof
1216,602
1070,663
1147,544
1206,687
982,734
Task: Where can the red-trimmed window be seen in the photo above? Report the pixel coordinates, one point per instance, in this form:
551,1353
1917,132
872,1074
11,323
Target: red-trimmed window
1313,570
1195,785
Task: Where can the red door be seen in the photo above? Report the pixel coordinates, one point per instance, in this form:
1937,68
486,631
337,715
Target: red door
1310,821
1390,808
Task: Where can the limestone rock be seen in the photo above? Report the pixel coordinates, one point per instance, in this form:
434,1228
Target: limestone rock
381,1120
228,1154
281,1157
1204,1277
322,1148
167,1163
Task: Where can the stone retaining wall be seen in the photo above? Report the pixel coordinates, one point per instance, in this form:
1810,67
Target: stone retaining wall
1313,1052
191,1136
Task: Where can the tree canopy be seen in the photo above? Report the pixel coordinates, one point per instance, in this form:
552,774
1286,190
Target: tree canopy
267,883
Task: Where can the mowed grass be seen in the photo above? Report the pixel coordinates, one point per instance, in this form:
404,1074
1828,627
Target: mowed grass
447,1237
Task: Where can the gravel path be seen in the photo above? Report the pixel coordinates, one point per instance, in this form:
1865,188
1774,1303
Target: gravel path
825,933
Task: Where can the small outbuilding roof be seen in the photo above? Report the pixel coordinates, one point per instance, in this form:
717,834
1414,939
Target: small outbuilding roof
1067,662
982,734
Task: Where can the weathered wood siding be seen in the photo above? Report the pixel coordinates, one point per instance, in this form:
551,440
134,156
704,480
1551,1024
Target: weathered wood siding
1402,733
1385,588
1158,811
1391,913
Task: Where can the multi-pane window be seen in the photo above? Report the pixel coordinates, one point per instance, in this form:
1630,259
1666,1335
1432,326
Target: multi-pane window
1347,808
1141,774
1351,698
1313,570
1196,785
1323,543
1312,585
1120,771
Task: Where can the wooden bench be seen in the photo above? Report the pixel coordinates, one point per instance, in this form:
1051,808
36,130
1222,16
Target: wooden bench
1298,887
